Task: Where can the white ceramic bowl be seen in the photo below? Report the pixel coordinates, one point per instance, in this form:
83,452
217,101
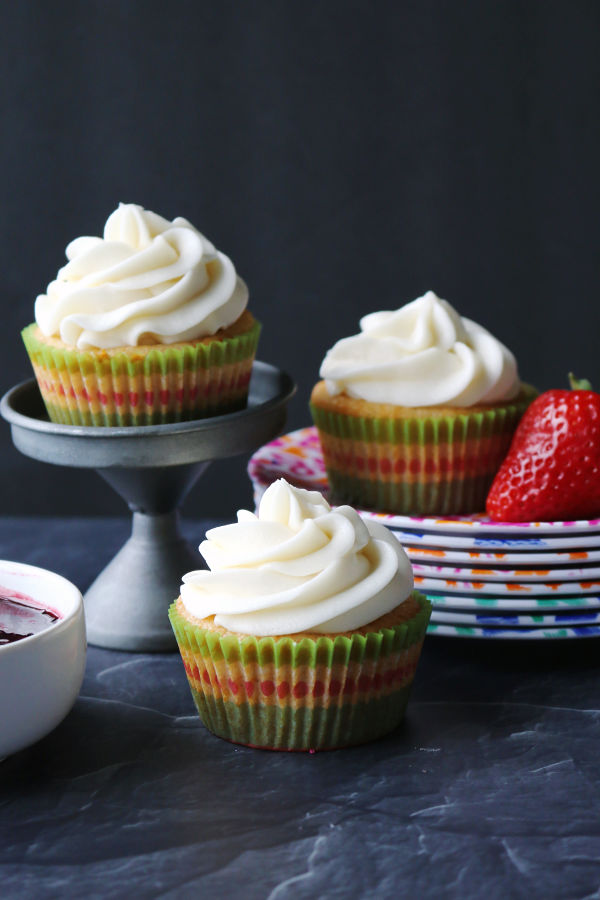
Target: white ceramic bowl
40,675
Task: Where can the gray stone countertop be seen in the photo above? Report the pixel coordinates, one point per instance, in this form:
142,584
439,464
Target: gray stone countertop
490,789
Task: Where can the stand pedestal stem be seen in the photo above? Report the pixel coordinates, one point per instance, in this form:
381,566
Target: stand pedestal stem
126,606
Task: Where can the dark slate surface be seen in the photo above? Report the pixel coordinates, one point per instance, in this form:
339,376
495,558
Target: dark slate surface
490,788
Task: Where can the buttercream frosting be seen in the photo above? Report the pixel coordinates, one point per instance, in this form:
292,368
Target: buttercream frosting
423,354
147,280
298,566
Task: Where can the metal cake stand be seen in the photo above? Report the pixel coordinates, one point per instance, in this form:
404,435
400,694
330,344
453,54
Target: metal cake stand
152,467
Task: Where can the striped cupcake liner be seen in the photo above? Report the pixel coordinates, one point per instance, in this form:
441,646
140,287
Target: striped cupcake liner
321,693
149,385
436,465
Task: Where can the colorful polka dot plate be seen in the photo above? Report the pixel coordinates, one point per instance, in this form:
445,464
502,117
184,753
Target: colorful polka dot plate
542,605
483,542
506,576
513,589
514,620
490,559
518,634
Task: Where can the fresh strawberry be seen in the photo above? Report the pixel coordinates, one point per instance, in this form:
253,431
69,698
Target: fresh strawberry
552,470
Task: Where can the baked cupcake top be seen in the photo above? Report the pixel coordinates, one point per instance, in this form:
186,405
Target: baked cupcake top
147,280
298,566
423,354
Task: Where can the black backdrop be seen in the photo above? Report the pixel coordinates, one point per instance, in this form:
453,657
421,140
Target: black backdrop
347,155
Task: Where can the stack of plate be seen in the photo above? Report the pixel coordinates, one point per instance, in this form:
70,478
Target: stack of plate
485,579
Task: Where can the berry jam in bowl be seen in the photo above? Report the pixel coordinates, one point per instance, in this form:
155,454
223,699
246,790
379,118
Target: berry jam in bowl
42,652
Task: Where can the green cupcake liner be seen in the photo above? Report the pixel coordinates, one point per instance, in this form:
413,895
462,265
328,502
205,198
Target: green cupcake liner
303,729
454,497
142,386
438,465
423,430
284,694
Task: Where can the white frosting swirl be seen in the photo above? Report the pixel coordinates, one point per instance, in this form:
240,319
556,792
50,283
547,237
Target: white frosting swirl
298,565
147,280
423,354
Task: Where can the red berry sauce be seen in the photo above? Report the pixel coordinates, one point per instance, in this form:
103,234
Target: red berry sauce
21,616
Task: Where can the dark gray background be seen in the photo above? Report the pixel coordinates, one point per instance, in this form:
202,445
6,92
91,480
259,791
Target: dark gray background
348,156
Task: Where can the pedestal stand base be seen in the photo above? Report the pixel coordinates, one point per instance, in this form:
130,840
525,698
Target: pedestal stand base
126,606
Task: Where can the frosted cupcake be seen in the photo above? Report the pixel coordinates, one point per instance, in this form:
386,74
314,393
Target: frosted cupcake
146,325
416,413
306,632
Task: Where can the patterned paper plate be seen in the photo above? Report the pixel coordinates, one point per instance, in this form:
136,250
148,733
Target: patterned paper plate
514,589
520,634
542,605
479,523
297,456
504,576
491,559
481,543
515,620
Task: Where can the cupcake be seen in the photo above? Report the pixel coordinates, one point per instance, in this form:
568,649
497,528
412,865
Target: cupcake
146,325
306,632
416,413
